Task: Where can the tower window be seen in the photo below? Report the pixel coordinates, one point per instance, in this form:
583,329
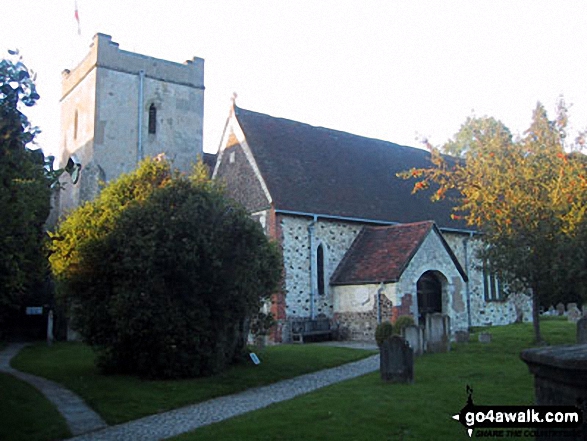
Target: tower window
75,125
152,119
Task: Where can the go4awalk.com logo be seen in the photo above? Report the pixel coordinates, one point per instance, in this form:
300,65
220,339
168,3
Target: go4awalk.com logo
537,420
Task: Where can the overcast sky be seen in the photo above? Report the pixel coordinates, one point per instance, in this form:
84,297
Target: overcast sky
393,70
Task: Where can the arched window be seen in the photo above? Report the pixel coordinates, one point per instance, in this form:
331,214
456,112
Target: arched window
75,124
320,268
152,119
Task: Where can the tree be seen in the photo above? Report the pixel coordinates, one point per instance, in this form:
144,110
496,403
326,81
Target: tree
24,195
476,132
162,274
528,198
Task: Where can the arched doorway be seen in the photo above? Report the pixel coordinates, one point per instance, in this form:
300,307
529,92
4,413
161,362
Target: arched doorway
429,289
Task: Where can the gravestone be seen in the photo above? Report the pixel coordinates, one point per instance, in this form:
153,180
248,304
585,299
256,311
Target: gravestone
414,336
462,336
396,361
551,310
50,327
560,309
582,331
560,379
484,337
573,313
437,333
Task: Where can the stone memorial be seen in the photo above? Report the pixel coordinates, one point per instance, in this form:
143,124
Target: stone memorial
462,336
484,337
396,361
437,333
560,309
573,313
560,379
414,336
50,320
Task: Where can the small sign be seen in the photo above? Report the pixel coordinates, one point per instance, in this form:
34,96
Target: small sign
34,310
254,358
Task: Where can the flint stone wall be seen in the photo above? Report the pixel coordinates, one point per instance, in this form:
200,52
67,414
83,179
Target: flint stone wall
492,312
335,237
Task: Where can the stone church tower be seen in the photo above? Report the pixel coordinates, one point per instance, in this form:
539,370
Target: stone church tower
118,107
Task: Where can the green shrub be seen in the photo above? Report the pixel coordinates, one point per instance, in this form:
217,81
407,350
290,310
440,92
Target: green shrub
403,321
383,332
166,285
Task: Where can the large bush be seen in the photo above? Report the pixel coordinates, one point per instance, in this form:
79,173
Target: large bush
165,282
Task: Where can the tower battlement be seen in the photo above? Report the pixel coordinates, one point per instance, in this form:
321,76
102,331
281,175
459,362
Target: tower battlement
119,107
107,54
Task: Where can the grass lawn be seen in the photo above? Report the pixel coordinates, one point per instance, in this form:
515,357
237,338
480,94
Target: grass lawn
368,409
119,398
25,414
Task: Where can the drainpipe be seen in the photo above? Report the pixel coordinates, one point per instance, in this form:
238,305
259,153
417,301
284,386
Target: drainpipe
311,238
467,284
140,116
379,291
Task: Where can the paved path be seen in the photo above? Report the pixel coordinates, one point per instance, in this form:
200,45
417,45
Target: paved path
78,415
176,422
84,422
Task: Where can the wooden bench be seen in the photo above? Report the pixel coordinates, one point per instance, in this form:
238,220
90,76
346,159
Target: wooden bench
301,329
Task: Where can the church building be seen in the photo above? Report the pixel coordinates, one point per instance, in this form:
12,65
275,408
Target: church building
358,246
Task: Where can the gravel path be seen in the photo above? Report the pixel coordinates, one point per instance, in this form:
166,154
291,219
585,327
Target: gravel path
176,422
78,415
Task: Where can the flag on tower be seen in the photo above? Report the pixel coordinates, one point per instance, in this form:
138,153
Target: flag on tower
79,30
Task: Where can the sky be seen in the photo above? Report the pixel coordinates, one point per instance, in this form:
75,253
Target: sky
401,71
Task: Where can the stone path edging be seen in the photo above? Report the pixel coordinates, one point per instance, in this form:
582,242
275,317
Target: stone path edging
79,416
175,422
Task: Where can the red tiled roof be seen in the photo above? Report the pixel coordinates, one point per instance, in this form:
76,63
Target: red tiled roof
381,254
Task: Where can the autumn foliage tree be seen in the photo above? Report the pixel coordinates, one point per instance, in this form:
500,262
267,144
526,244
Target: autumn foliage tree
527,196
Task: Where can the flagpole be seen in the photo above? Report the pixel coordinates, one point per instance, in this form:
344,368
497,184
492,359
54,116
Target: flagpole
76,15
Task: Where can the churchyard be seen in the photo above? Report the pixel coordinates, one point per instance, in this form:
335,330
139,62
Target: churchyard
363,408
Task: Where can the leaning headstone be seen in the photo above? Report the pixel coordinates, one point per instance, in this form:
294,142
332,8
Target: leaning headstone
582,331
396,361
560,309
573,313
437,333
414,336
484,337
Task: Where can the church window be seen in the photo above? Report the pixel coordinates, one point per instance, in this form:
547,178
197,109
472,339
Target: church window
492,286
75,124
320,268
152,119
